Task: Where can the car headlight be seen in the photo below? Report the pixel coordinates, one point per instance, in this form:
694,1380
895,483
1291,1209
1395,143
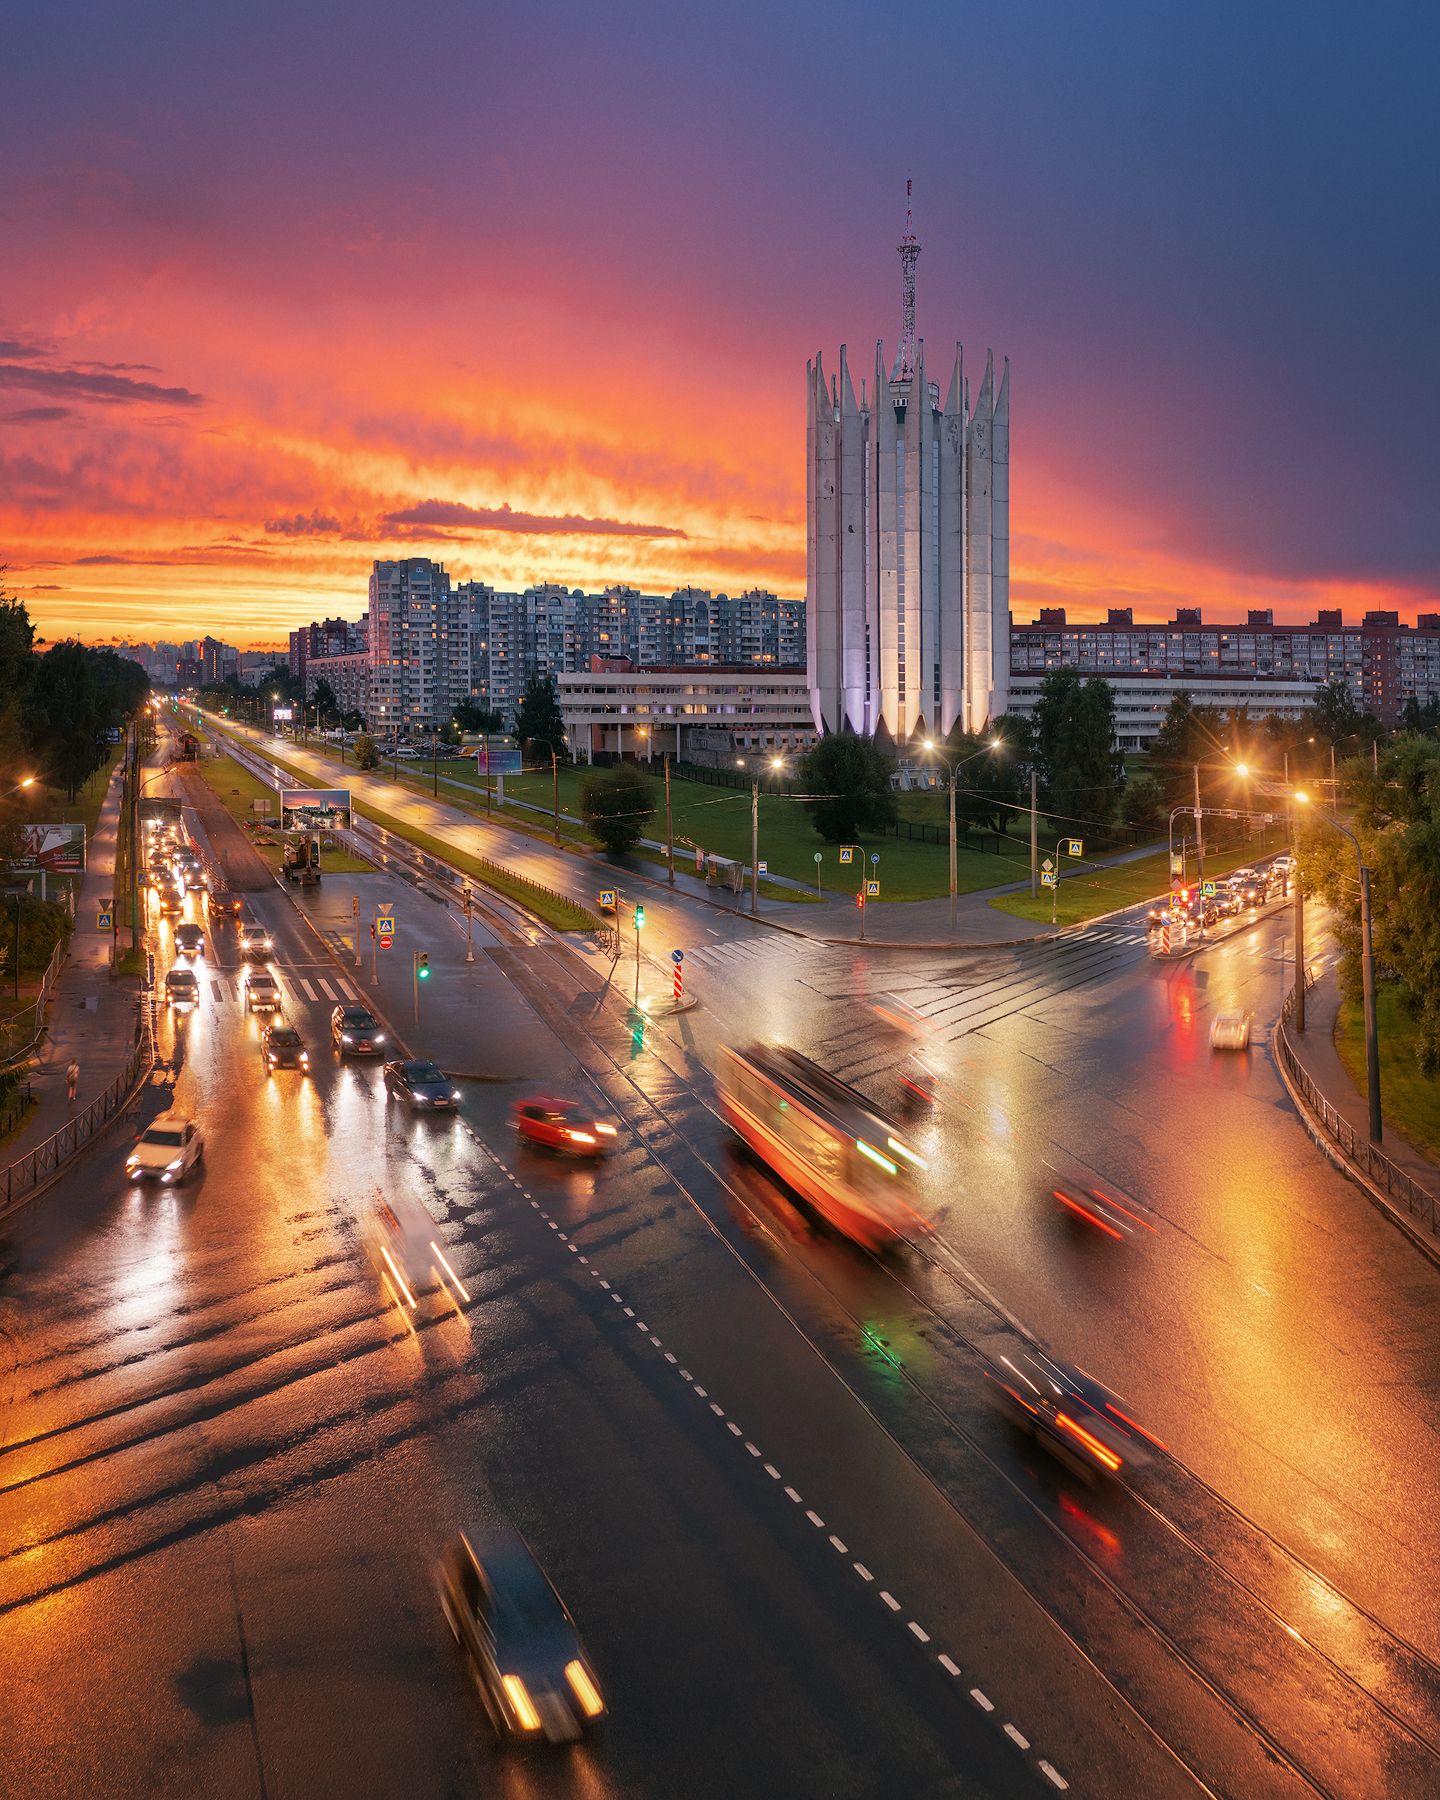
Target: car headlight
454,1093
580,1137
379,1037
521,1703
272,1058
606,1130
132,1163
585,1689
171,1167
304,1059
345,1038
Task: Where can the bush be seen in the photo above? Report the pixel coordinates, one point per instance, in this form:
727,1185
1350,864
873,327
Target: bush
43,924
367,756
617,805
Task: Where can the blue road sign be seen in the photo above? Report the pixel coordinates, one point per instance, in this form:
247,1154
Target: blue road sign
847,854
872,890
1207,888
874,856
677,956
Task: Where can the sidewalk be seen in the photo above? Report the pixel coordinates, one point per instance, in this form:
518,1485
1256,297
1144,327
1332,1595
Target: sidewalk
1317,1055
92,1017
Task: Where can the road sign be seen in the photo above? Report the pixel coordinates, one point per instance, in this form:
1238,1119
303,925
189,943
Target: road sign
105,921
677,957
1048,866
1207,888
764,867
385,926
872,890
819,856
875,858
1048,878
846,854
607,899
1073,846
1177,863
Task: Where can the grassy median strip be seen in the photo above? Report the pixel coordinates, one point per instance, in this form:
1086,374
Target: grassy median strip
237,790
1411,1101
555,909
1107,887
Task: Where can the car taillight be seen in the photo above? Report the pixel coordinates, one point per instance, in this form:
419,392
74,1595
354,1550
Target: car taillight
585,1689
521,1703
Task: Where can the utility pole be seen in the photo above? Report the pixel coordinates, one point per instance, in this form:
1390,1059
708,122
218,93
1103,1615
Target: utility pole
669,825
1372,1038
1299,1009
435,764
1199,852
555,789
954,877
755,849
1034,842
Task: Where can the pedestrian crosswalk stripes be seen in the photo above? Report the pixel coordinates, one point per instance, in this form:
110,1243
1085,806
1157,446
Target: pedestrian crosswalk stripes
294,987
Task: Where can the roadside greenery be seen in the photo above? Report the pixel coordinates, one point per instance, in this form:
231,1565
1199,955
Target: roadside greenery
848,777
618,804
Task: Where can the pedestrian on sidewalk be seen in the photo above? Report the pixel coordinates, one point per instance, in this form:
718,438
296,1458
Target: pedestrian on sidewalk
72,1080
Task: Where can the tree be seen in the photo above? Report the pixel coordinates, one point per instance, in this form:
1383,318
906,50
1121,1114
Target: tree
617,804
1143,804
992,789
65,716
471,716
1188,734
327,707
1078,760
537,717
367,755
849,777
1336,714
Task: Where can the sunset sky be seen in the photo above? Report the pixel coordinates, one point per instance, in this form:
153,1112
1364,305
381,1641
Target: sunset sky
287,286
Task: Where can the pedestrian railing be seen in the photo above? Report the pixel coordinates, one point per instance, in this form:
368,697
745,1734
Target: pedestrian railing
29,1173
20,1033
1354,1145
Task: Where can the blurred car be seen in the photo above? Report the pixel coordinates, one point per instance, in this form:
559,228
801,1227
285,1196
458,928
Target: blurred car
1077,1419
1230,902
1284,863
562,1125
355,1031
166,1151
224,904
1162,913
172,899
189,940
282,1047
1231,1031
919,1085
520,1642
255,940
422,1084
891,1010
403,1243
182,990
1093,1206
262,992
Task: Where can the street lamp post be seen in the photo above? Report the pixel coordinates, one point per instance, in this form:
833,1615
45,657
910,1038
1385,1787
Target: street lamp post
669,826
954,769
1367,974
776,762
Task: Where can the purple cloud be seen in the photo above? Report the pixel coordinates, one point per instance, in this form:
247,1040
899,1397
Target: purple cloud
37,415
505,518
311,524
107,390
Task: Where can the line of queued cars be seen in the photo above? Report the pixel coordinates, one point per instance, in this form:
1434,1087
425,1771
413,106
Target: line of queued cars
1235,894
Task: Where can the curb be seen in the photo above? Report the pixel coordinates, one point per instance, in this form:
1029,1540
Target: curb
1333,1154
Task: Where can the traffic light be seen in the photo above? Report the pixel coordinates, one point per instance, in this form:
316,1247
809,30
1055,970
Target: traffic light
639,917
422,965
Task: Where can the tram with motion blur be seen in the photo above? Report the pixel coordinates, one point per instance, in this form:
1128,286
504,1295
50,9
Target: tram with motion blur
824,1140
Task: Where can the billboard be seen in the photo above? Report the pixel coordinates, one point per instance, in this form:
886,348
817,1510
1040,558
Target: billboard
57,849
498,762
280,713
315,809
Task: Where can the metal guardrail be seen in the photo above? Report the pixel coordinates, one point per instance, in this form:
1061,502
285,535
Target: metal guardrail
20,1034
1374,1164
28,1173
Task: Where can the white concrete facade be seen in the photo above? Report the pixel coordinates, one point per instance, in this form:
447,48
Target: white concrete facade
640,711
907,544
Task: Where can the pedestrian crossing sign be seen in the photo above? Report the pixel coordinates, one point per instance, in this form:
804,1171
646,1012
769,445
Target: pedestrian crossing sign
1048,878
847,854
1073,846
105,921
872,890
607,899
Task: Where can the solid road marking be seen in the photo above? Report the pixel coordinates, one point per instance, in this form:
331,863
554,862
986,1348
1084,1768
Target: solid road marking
913,1626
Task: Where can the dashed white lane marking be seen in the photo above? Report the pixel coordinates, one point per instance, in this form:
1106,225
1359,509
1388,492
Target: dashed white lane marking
913,1626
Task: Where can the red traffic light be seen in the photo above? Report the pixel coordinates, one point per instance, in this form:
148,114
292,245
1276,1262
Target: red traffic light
860,898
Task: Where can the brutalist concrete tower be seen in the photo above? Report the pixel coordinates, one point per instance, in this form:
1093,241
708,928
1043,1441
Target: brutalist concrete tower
907,541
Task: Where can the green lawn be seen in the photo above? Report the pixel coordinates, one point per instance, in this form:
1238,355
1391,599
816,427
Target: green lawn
237,789
1106,888
85,807
1409,1100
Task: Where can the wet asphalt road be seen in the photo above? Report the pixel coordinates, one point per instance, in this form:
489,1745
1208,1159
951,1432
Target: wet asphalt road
229,1459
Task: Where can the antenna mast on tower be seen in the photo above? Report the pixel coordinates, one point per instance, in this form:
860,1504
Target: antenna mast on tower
909,248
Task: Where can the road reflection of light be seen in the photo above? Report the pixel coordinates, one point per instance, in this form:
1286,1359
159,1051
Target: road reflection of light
1099,1534
150,1281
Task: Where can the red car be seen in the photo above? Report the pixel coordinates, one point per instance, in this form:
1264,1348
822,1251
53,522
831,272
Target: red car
562,1125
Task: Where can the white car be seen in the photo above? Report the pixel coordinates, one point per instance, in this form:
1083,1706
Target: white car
166,1151
1231,1031
262,992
